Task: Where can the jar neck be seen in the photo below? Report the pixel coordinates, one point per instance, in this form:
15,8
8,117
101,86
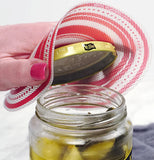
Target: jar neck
82,107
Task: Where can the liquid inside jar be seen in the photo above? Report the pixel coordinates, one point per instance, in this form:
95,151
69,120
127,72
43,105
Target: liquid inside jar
48,149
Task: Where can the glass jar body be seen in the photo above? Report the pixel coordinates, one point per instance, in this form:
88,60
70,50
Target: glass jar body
59,141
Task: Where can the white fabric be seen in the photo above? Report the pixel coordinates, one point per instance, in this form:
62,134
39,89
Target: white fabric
139,100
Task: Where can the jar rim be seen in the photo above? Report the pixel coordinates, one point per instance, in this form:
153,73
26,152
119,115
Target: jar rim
84,120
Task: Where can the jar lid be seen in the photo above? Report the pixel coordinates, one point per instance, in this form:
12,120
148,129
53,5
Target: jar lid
91,22
80,60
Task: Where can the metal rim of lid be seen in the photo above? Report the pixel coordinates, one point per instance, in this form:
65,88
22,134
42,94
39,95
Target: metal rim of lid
80,48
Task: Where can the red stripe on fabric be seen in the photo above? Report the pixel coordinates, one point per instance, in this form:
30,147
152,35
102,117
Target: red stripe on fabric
92,32
104,7
144,64
86,5
76,36
16,91
40,51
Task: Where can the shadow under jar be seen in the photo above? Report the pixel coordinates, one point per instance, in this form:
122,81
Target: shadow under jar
80,122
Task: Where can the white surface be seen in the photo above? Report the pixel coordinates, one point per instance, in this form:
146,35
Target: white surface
140,103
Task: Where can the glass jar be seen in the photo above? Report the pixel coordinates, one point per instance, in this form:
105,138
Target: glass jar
80,122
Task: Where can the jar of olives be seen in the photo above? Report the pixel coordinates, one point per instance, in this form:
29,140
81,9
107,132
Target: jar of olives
80,122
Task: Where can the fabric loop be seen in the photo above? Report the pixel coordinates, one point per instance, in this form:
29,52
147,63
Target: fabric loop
88,22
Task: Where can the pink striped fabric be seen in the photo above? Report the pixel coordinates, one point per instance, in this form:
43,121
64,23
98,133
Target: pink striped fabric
88,22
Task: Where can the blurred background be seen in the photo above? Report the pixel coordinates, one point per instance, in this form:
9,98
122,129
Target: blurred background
139,100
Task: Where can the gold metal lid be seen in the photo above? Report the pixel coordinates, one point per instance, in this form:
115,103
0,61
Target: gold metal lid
79,60
81,48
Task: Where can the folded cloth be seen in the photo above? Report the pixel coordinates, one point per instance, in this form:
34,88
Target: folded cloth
143,142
